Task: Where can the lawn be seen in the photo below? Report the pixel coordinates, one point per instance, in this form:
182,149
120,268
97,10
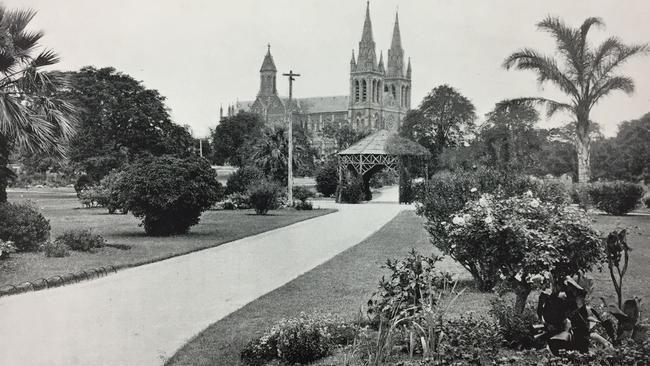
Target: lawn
344,284
63,210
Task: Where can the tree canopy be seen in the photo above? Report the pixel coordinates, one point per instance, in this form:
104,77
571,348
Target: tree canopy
120,120
230,136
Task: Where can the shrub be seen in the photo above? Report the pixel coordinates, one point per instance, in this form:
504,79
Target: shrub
552,191
168,193
264,196
471,339
302,193
302,340
521,241
616,198
580,196
327,178
351,190
56,249
304,205
239,181
646,201
23,225
6,248
411,281
384,177
516,328
82,240
84,181
109,194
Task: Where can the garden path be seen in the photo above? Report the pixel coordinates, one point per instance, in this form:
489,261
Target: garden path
141,316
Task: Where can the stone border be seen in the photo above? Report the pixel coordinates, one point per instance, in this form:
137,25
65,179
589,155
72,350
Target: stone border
56,281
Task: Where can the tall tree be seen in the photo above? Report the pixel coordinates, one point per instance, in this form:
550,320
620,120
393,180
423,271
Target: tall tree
344,134
232,134
586,75
32,117
120,120
443,119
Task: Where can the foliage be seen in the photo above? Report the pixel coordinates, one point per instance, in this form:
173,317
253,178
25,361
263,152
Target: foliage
646,201
23,225
516,327
83,182
384,177
344,134
411,282
6,248
471,337
302,340
83,240
629,353
302,193
33,118
168,193
93,196
551,190
351,190
585,73
443,119
579,194
235,201
239,181
523,241
616,198
231,134
327,177
304,205
120,120
264,196
56,249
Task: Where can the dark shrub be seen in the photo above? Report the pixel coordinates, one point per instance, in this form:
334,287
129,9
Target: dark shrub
55,249
470,338
84,181
616,198
553,191
580,196
302,194
6,248
646,202
83,240
109,195
304,205
168,193
239,181
327,178
384,178
407,192
22,224
515,328
351,190
264,196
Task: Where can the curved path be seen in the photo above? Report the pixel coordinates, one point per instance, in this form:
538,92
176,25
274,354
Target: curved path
141,316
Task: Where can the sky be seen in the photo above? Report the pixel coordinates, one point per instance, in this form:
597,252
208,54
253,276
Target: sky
201,54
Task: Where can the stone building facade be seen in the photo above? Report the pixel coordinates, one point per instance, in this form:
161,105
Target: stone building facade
379,93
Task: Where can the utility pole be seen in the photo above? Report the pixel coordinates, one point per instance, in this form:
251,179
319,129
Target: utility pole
291,77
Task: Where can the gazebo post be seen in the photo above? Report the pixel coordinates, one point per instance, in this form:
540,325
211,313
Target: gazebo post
340,173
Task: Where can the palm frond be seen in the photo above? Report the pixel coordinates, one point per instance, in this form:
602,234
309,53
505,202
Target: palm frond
551,106
45,58
567,41
25,42
546,68
18,19
610,84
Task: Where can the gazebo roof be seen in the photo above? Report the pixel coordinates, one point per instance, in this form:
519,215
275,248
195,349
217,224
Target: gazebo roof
384,142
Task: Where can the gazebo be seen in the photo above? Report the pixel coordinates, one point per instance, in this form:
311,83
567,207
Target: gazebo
381,150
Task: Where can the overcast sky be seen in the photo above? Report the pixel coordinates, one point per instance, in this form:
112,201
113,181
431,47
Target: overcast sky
200,53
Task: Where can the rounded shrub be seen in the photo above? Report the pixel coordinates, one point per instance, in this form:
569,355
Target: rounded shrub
616,198
302,194
55,249
6,248
646,202
83,240
264,196
168,193
23,225
327,178
84,181
351,190
239,181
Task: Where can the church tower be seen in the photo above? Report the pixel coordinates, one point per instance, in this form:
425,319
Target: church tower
268,103
398,81
366,82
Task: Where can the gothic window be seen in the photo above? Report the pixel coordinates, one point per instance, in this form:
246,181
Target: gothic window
402,96
378,91
364,89
356,90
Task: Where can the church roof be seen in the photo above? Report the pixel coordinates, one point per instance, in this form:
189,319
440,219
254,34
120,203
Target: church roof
384,142
268,64
338,103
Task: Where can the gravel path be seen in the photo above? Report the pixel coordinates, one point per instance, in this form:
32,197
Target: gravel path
141,316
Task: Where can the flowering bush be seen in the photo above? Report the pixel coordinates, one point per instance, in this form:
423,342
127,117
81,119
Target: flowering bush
6,248
298,340
521,240
23,225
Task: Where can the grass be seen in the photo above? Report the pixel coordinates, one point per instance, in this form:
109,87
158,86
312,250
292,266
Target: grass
344,284
63,210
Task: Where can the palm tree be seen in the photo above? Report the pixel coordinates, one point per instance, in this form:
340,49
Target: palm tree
270,153
31,116
586,75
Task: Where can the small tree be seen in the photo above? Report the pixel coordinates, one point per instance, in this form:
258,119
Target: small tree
168,193
264,196
239,181
327,178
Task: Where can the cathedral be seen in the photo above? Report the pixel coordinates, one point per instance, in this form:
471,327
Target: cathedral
379,93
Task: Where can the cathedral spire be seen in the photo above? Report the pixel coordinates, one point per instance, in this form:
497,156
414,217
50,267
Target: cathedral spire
353,62
268,64
396,53
367,57
397,39
381,62
268,74
408,70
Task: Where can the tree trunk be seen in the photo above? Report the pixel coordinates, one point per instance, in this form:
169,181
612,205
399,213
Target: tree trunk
4,168
583,142
521,293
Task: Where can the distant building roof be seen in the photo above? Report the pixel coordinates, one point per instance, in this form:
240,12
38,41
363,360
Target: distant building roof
338,103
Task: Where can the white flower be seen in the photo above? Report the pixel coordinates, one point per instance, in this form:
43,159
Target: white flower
488,220
536,278
473,190
483,202
534,203
466,144
528,193
467,217
443,223
518,276
457,220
